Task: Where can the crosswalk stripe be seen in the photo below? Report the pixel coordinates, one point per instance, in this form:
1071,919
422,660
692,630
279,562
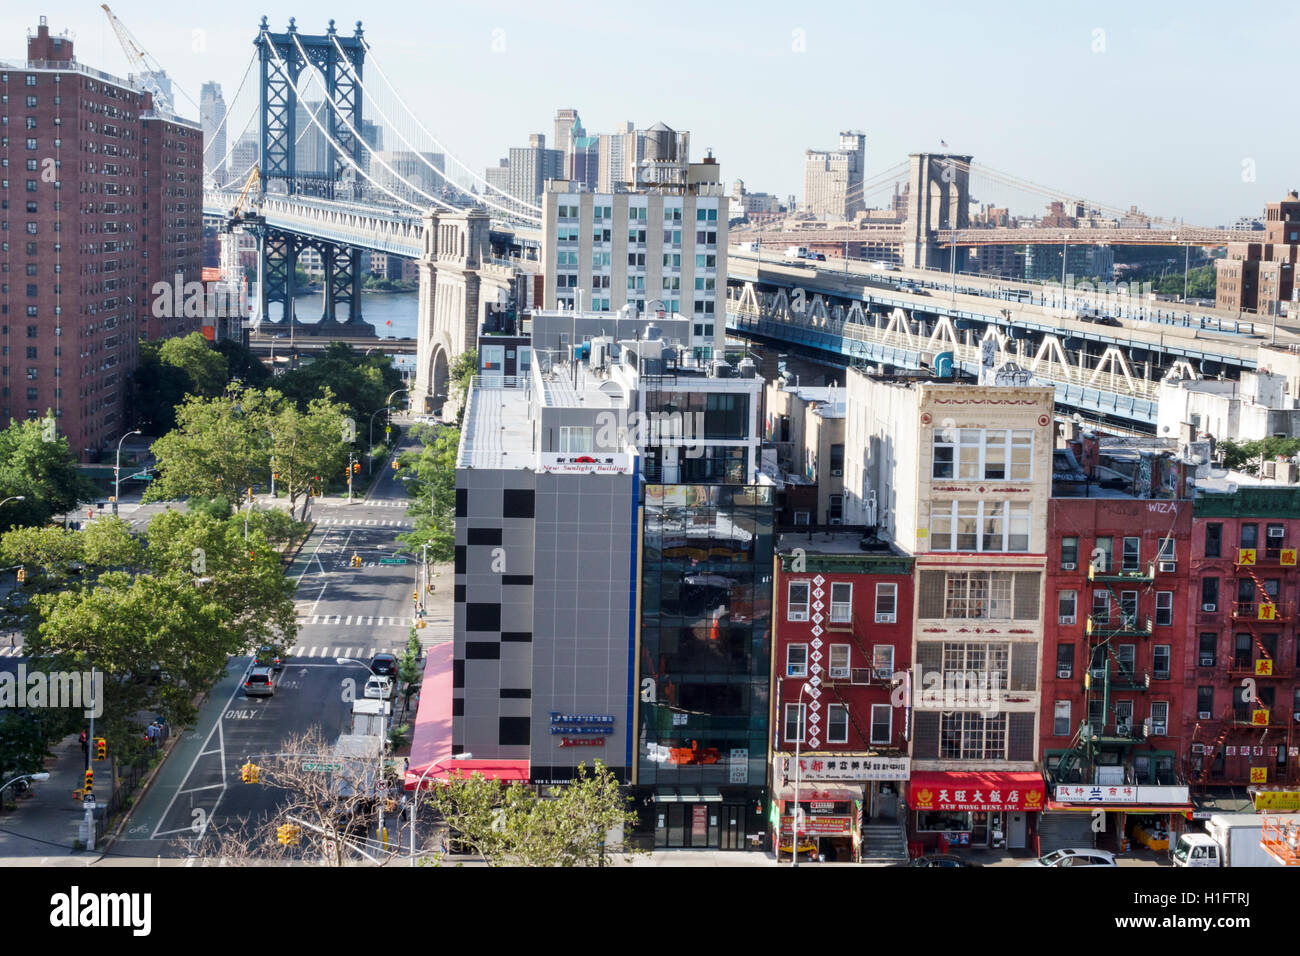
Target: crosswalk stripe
349,620
315,618
311,652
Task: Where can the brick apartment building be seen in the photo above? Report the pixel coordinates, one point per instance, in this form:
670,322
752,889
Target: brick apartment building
1116,677
101,199
841,632
1259,273
1243,664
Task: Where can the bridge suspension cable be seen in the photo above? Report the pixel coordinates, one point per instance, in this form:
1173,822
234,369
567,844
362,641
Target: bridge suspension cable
342,152
480,179
225,116
361,140
513,213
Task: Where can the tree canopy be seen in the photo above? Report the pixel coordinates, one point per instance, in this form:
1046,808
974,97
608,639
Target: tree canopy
36,463
433,491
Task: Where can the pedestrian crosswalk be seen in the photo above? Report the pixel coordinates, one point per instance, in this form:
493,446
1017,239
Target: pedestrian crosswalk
359,503
355,620
362,652
364,523
11,651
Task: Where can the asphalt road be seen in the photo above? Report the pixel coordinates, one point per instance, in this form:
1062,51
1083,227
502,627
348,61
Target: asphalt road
344,612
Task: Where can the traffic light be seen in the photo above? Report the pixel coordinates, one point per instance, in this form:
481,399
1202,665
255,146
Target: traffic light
396,464
288,834
88,788
356,467
22,575
249,772
415,596
101,748
250,494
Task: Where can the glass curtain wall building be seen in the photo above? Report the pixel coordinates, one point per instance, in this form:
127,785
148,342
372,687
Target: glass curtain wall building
704,665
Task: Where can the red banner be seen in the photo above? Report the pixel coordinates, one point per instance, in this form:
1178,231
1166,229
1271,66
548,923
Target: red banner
976,791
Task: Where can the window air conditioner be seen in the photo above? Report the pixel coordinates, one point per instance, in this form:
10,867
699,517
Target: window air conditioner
1064,673
1068,565
837,472
1067,619
861,675
1202,715
1168,567
886,619
1198,748
883,673
1207,661
1209,607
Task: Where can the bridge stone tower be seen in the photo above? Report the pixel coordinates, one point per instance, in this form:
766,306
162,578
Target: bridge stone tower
458,282
938,198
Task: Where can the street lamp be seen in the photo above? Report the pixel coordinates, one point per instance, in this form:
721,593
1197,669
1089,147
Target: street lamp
117,469
42,775
415,801
13,498
794,817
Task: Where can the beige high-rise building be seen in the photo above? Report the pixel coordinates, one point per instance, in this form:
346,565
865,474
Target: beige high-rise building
832,179
959,476
664,247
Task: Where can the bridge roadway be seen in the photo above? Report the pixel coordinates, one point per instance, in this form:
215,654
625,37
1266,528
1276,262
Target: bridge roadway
366,226
264,343
1192,332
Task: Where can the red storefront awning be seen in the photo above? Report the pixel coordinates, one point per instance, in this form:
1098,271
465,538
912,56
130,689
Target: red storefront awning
977,790
431,757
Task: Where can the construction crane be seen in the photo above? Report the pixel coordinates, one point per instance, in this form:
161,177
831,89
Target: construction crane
149,68
237,216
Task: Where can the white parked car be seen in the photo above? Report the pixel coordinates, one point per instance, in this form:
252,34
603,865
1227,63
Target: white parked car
1074,858
379,688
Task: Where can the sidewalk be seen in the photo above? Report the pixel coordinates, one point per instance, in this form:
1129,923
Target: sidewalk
48,822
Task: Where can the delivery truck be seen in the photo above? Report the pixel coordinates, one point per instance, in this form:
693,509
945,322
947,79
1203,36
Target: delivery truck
1230,839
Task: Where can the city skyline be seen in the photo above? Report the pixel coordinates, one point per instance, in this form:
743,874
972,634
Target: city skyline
1109,69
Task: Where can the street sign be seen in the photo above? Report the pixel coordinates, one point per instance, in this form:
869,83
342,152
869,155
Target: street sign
392,560
322,767
141,476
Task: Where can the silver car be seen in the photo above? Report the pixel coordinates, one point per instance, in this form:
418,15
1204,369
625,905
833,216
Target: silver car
1082,857
260,682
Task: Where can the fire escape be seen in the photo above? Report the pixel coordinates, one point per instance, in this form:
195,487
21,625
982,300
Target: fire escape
1260,614
1105,673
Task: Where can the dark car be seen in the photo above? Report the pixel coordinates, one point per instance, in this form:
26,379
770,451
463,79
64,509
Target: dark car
268,656
1109,320
384,665
941,860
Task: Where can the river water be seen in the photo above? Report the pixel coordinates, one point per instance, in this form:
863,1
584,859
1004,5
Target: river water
392,314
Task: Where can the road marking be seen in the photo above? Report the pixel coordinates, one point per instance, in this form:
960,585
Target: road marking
312,652
313,558
349,620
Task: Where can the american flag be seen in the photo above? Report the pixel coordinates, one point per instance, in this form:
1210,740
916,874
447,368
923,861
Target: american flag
943,144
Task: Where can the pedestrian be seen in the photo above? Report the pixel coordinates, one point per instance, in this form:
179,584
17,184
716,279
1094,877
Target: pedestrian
85,744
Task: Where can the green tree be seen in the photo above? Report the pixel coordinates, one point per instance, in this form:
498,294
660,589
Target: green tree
462,373
243,364
308,443
194,354
361,382
217,448
36,463
568,826
1244,456
156,389
433,492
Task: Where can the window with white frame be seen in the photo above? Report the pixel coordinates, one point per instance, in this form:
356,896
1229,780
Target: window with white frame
1160,661
1132,555
882,660
886,603
841,602
1159,718
965,735
995,526
837,724
1164,608
839,665
978,594
793,729
796,660
575,438
976,454
1101,607
1068,604
1061,719
882,724
797,601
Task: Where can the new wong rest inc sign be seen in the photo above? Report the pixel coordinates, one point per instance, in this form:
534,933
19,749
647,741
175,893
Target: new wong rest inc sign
582,730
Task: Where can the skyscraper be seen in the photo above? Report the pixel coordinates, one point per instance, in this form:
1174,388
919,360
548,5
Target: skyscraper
833,179
212,114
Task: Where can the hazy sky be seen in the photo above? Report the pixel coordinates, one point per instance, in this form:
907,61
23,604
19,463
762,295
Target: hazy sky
1179,109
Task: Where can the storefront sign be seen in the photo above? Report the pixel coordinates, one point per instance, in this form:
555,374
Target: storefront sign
847,768
1073,793
597,463
699,820
820,826
1277,799
582,730
739,766
967,798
